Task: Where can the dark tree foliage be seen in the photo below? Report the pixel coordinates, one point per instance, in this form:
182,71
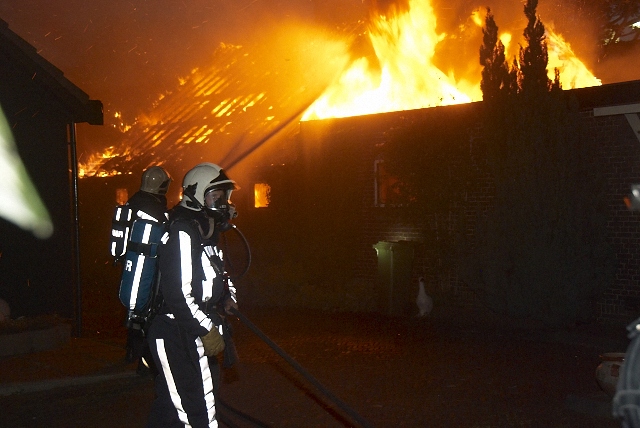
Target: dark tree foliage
533,56
614,19
618,17
541,252
514,77
495,72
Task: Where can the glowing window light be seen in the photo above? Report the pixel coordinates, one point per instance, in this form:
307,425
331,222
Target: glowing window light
262,194
386,187
122,196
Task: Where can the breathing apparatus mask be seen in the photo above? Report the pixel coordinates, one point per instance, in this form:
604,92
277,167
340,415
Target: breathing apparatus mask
219,207
207,189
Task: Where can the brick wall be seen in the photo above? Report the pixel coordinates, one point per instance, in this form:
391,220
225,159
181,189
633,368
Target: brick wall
619,158
396,223
619,153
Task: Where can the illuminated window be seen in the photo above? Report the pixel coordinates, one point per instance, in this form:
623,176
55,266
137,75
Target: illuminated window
387,187
262,193
122,196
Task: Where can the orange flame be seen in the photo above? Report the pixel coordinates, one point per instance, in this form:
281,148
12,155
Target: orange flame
414,67
573,72
407,78
91,167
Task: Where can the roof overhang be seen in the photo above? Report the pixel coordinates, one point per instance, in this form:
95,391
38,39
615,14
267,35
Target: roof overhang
630,112
75,101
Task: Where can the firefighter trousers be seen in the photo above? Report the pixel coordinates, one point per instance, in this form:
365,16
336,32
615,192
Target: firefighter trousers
185,380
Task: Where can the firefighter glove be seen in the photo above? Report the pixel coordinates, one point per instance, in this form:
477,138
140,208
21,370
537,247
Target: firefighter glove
212,342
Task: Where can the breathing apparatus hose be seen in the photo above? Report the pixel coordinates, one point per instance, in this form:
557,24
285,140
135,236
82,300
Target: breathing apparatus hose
222,417
342,405
246,244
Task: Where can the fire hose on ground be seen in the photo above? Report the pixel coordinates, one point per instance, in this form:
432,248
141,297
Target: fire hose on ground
341,404
334,399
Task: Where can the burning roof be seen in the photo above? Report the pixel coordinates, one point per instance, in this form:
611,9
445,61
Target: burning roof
246,93
402,62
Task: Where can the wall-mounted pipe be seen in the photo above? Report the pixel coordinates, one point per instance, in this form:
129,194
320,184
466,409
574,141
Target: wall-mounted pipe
73,161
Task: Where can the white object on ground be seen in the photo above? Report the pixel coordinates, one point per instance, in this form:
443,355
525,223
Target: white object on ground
424,301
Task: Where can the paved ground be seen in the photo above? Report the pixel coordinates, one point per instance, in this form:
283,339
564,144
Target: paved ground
443,371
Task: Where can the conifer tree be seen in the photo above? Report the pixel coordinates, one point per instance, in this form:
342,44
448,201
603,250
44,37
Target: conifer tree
541,251
534,56
495,71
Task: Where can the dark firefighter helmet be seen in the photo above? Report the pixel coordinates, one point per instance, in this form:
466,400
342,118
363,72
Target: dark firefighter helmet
155,180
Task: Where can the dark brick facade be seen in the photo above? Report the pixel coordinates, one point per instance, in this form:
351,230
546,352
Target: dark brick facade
618,158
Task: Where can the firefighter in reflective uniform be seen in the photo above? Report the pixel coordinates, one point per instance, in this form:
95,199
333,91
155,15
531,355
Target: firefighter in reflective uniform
189,331
149,203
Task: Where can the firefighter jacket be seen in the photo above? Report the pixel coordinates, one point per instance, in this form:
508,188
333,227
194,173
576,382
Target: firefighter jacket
190,285
148,206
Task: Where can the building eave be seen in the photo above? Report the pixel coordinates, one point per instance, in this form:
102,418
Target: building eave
77,103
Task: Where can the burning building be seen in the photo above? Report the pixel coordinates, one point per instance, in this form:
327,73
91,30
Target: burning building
397,61
321,191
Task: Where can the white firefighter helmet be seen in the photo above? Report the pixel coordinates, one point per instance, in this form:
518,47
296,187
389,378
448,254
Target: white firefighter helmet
201,179
155,180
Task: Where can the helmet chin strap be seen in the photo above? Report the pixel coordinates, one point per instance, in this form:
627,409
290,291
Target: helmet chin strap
209,219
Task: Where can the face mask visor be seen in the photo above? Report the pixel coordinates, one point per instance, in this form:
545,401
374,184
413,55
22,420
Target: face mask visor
217,199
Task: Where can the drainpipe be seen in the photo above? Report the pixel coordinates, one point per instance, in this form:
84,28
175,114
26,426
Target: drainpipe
391,278
76,226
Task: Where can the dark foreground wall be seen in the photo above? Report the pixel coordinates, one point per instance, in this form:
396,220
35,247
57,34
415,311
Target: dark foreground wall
37,275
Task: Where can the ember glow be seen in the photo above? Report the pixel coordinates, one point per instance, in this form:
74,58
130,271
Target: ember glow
95,162
407,77
244,93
